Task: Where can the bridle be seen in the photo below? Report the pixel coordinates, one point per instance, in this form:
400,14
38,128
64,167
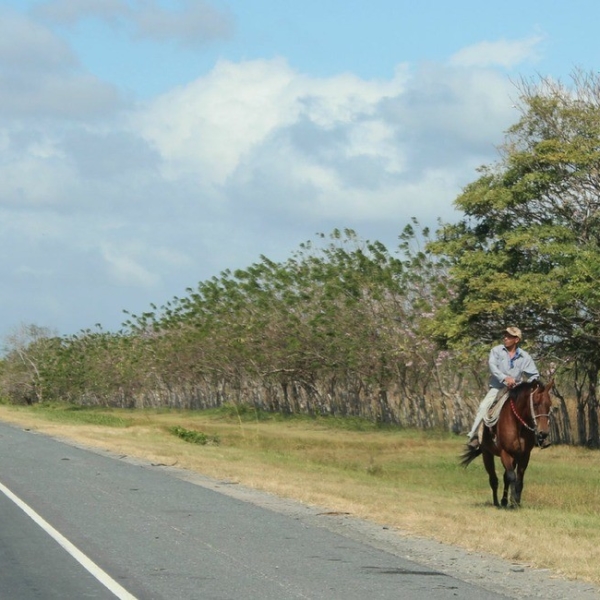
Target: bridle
534,416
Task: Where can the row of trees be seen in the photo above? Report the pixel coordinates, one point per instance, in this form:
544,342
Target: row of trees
346,327
342,327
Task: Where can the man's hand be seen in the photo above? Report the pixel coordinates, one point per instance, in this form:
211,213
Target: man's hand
510,382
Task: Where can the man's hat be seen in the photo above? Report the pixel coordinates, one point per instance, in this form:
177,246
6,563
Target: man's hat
514,331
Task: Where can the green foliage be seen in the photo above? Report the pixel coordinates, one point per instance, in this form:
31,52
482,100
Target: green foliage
79,415
339,328
247,413
193,437
527,251
347,309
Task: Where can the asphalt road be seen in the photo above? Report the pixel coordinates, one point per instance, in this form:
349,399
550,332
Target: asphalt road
34,566
160,536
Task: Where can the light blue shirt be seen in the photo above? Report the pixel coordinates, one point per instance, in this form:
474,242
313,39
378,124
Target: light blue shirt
520,367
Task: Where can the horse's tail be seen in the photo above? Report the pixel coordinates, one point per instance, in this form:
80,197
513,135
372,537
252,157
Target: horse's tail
469,455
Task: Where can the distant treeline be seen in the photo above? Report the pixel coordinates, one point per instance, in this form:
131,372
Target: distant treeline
341,328
346,327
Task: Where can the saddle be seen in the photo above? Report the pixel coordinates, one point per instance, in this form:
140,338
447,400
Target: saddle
493,414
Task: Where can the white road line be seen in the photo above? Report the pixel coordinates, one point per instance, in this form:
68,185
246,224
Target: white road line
102,576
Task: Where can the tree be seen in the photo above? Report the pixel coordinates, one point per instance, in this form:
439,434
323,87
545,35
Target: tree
341,327
527,250
27,352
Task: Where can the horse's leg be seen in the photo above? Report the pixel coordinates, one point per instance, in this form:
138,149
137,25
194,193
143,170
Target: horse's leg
521,468
506,486
490,467
488,463
510,477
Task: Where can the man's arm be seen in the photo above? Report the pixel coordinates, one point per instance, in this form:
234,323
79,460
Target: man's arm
495,364
530,369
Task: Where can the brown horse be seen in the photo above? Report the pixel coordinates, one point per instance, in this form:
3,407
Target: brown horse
524,421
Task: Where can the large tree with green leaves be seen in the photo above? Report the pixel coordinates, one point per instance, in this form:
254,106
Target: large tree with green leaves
527,250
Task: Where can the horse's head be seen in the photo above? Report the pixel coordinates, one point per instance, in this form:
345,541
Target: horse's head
535,405
540,409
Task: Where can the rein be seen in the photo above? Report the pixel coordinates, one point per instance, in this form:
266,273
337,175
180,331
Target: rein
519,417
533,415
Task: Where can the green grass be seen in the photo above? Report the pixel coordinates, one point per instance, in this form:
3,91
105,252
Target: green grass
247,413
78,415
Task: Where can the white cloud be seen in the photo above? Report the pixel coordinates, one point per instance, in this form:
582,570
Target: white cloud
190,22
211,125
208,124
68,96
71,11
126,269
269,137
41,77
260,135
502,53
196,22
122,208
26,45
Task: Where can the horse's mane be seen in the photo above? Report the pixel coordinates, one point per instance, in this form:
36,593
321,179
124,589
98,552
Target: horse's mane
525,386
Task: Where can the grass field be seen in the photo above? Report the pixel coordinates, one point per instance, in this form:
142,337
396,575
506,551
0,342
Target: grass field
405,479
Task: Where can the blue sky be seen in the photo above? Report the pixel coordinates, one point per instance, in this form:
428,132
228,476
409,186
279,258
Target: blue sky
146,146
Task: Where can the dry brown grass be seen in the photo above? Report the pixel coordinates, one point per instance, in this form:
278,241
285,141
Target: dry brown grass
410,481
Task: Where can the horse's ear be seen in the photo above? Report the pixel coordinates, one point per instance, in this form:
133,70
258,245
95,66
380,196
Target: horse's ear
550,384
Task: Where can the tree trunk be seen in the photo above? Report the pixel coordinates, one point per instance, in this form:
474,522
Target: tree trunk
593,439
561,425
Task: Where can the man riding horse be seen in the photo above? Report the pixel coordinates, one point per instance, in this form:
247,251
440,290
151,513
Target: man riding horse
509,365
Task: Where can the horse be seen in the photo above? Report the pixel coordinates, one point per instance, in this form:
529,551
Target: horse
524,421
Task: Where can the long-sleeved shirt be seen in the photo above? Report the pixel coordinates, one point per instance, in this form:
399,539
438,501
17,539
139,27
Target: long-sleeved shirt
520,366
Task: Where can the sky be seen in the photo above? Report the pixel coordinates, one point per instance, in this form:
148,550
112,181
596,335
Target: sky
148,145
